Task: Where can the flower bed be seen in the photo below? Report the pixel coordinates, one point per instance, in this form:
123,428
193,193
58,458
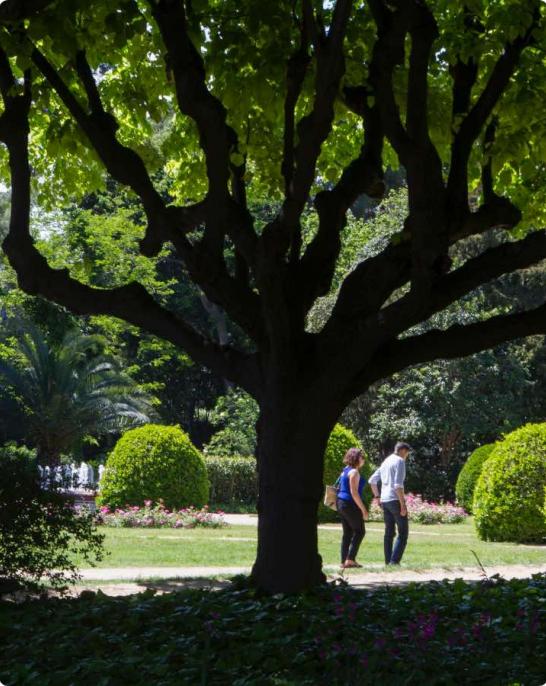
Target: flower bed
154,515
423,512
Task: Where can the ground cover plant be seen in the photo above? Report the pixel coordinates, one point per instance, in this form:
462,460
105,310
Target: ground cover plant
430,546
444,633
156,515
425,512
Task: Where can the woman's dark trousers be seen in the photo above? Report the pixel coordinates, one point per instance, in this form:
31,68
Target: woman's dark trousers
353,528
391,513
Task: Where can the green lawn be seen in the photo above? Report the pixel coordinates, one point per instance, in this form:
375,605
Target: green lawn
429,546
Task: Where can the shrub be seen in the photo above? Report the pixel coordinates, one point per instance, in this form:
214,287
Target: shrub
155,463
233,480
341,439
468,476
39,530
158,516
509,495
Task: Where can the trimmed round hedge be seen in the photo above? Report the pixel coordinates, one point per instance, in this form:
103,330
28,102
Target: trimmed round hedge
155,462
469,474
509,496
341,439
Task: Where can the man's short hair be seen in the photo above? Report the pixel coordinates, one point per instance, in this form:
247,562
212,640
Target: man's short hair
401,446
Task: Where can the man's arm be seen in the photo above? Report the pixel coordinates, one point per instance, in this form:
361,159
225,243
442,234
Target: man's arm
373,481
400,477
402,499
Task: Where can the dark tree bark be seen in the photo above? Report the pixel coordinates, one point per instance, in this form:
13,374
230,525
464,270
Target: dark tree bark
302,381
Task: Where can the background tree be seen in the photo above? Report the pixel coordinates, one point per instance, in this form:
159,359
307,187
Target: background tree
69,392
453,93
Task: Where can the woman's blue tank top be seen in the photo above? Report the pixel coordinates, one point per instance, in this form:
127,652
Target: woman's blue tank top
344,492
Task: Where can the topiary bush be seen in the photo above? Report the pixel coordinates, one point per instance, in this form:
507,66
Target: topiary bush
509,496
468,476
233,481
154,463
341,439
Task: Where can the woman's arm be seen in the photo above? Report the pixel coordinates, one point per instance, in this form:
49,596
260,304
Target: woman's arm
354,478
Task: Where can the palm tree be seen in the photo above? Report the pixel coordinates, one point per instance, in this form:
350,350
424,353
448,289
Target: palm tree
70,391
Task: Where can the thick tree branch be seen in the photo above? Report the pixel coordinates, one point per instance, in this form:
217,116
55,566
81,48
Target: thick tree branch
296,68
457,341
314,128
474,122
164,223
372,282
491,264
218,140
131,302
423,32
362,175
100,127
388,52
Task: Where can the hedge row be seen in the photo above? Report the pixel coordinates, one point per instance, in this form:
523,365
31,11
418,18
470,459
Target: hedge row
233,480
160,463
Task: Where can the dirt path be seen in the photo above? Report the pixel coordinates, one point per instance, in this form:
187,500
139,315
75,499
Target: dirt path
167,579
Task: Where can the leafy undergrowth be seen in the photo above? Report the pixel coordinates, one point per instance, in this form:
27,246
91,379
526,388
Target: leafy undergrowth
493,633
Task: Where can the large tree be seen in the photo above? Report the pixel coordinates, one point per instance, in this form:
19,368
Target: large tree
299,102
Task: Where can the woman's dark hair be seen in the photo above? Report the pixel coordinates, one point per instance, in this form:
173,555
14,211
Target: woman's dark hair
353,457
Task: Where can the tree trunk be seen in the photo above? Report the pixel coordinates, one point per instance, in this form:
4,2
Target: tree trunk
292,438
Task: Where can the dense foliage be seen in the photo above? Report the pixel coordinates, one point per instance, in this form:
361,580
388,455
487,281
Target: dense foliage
439,634
156,515
509,495
155,462
233,481
469,474
69,391
234,417
40,532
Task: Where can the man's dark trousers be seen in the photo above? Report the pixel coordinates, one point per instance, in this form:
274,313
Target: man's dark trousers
391,513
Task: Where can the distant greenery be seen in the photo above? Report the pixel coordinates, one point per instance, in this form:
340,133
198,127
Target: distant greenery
437,634
233,481
157,463
234,417
40,533
469,475
509,495
68,392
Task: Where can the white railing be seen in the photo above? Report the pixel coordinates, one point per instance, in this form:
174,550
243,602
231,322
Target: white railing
72,477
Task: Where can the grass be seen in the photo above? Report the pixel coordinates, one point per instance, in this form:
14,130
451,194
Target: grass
447,546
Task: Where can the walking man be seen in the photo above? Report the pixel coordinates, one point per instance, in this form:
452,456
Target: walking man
391,474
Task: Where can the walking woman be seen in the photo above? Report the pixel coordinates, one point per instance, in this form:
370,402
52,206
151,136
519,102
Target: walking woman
350,507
